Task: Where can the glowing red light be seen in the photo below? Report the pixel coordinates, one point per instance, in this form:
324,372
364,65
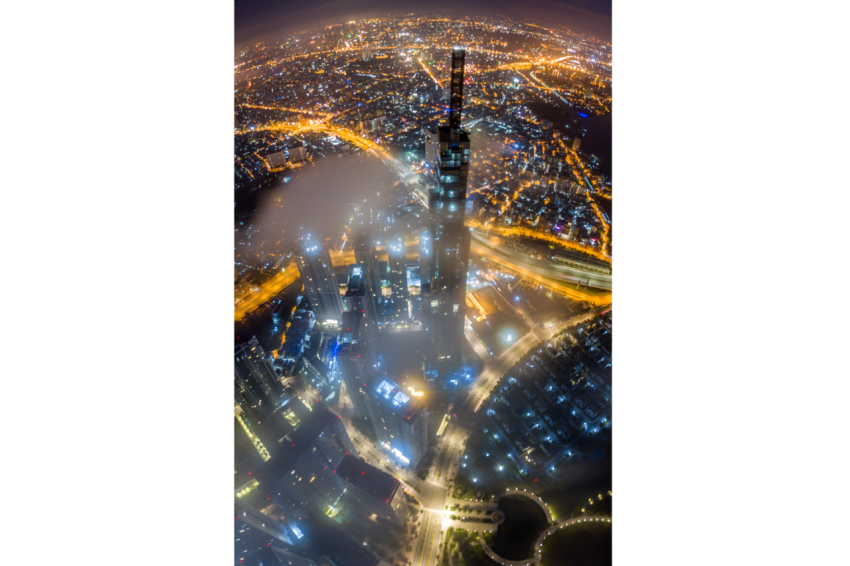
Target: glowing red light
362,473
249,473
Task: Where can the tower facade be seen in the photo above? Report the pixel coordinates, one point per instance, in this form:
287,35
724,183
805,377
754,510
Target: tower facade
445,302
320,285
358,302
356,358
398,278
366,254
258,389
401,422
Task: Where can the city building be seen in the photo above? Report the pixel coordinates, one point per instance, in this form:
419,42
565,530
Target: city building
276,160
297,336
576,143
355,357
358,299
445,303
258,389
297,154
431,136
366,254
320,286
400,422
251,516
374,491
301,475
399,301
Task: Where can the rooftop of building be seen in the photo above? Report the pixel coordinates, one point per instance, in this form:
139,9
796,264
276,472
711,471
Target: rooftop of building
298,442
367,477
356,281
391,394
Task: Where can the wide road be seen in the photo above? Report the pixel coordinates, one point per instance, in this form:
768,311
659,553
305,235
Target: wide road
427,546
266,291
485,247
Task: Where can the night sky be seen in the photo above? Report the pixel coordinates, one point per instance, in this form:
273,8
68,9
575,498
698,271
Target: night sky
262,19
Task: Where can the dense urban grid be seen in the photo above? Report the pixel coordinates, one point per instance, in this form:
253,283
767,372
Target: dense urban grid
423,266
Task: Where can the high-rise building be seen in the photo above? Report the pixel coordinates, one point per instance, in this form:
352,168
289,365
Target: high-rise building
258,389
375,491
320,285
251,516
400,421
425,258
356,361
301,476
431,143
366,253
445,303
358,299
399,300
576,143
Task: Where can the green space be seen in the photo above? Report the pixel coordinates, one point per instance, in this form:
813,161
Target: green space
463,548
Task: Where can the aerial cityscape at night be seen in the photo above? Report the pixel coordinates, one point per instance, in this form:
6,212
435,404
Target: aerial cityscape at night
423,253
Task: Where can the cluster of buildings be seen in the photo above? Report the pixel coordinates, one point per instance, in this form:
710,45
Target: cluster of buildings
558,400
314,472
386,81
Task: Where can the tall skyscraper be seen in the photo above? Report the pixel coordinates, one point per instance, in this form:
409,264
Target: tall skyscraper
320,285
258,390
358,299
576,143
398,279
400,421
356,361
425,255
445,302
366,253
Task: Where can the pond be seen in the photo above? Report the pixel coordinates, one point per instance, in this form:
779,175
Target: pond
524,520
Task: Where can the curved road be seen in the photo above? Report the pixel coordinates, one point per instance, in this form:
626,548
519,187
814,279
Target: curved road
451,449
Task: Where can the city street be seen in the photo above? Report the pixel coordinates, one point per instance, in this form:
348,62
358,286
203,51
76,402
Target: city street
268,290
450,450
542,268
